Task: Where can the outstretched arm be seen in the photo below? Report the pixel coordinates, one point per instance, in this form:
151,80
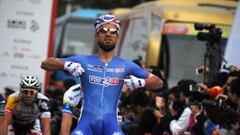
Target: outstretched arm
152,82
52,64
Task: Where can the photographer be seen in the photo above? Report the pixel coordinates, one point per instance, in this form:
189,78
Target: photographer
231,101
229,122
211,125
221,118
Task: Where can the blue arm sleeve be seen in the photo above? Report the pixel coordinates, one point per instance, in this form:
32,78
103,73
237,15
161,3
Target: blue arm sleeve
134,69
75,58
66,108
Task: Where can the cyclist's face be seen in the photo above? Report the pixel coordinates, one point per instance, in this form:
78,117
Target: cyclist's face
107,37
28,95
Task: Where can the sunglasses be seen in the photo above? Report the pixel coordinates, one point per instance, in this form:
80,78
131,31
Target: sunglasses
111,31
25,92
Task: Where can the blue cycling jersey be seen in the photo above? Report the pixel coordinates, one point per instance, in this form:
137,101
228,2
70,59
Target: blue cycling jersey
102,84
2,104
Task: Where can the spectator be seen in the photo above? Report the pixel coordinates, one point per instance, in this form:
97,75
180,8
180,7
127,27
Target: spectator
235,96
162,115
144,114
173,94
227,90
181,116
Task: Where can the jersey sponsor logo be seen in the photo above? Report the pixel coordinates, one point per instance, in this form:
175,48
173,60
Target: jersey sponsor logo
94,68
78,133
103,81
73,97
115,70
70,98
119,70
111,70
116,133
44,105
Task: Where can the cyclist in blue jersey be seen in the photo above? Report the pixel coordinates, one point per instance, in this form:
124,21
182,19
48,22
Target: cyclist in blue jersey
72,105
102,78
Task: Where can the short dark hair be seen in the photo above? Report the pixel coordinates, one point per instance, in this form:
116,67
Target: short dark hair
139,97
175,91
234,74
235,86
183,86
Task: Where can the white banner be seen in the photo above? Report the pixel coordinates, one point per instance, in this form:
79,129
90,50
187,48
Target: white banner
24,39
232,54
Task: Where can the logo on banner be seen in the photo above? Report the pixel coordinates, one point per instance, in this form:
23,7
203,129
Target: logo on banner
16,24
3,74
35,1
18,55
6,54
34,26
22,41
25,13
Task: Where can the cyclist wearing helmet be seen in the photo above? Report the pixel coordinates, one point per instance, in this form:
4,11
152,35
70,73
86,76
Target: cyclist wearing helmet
27,110
71,108
102,78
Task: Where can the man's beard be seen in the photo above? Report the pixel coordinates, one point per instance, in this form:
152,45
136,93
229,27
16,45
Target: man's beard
107,48
27,103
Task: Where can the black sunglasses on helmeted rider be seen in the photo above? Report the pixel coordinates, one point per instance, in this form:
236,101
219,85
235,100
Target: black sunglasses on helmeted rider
111,30
25,92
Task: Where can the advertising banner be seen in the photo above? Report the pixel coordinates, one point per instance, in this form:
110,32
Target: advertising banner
26,29
232,54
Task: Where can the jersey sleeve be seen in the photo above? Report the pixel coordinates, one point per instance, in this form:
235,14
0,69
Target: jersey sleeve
11,102
75,58
135,70
43,105
71,98
67,108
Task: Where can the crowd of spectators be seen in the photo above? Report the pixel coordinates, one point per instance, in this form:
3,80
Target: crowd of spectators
189,107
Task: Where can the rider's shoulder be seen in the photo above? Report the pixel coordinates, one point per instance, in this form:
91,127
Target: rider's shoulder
40,96
14,96
125,61
73,89
119,59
